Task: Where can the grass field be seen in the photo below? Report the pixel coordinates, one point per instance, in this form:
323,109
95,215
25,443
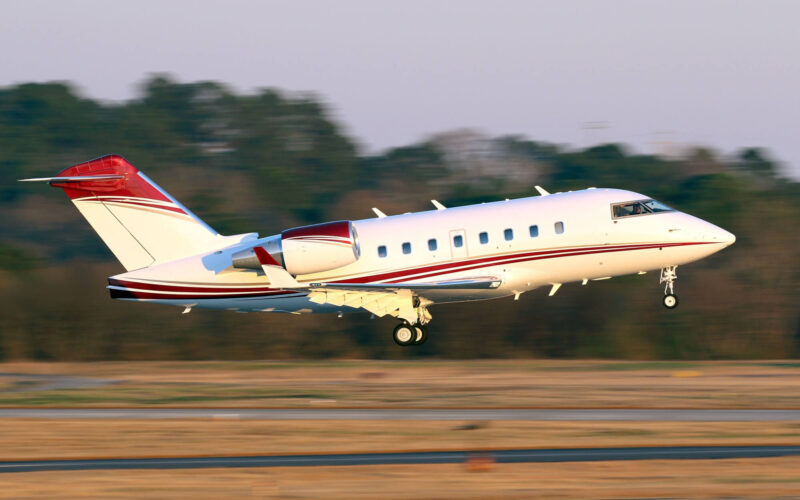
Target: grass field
30,439
444,384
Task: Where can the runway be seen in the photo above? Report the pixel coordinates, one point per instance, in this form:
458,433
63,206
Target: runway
491,414
413,458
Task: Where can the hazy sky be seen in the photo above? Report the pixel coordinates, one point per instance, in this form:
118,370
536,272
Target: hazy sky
721,73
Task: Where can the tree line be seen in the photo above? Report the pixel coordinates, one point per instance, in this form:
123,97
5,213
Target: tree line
272,159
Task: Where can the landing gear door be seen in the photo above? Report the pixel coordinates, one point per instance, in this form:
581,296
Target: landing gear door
458,244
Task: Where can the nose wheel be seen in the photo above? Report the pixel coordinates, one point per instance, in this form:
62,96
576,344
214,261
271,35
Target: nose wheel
668,277
406,335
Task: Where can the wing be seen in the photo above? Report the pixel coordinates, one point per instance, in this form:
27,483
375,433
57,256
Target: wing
478,283
395,299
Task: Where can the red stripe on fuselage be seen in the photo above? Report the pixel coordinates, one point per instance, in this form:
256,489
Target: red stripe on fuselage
140,290
428,271
143,294
166,287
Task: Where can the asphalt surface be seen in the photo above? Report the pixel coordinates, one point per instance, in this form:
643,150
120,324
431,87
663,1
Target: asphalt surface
689,415
429,457
31,382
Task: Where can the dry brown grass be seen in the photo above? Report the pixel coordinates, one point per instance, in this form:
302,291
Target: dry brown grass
27,439
449,384
575,384
741,478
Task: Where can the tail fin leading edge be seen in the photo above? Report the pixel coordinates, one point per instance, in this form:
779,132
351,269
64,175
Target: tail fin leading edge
138,221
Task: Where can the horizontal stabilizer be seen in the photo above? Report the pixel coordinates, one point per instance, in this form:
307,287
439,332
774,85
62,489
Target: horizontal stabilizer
79,178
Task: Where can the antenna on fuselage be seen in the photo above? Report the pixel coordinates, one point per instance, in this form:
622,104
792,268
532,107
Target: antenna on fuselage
380,214
438,205
542,191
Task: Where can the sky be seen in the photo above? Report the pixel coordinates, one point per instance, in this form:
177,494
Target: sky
658,75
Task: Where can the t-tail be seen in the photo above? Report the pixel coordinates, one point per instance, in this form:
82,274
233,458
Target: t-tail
140,222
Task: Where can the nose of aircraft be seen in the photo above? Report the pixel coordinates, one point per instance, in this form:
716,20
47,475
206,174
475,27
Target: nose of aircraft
716,234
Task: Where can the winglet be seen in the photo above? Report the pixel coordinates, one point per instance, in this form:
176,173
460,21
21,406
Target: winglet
542,191
438,205
380,214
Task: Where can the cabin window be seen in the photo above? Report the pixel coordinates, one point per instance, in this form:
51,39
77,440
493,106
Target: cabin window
458,241
559,227
432,245
382,251
508,234
534,231
484,238
406,248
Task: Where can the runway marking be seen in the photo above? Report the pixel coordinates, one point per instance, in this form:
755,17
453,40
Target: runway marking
412,458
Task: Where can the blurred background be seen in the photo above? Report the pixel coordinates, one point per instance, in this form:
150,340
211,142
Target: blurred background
269,115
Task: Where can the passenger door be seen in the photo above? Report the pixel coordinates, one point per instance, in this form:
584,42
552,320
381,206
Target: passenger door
458,244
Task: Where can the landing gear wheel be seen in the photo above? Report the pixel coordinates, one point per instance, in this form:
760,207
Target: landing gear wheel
668,277
404,334
422,334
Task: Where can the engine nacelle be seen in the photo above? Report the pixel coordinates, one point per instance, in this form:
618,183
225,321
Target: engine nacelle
321,247
308,249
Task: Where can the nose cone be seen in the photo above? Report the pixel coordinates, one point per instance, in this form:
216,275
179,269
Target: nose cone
715,234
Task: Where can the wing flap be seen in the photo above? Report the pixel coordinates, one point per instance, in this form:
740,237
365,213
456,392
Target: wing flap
478,283
379,303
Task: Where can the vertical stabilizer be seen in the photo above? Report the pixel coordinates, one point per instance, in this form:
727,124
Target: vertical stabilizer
140,222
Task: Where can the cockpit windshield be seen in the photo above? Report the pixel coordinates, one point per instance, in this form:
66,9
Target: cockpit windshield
639,207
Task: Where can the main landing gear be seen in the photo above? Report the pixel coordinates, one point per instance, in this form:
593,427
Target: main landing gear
405,334
414,316
668,276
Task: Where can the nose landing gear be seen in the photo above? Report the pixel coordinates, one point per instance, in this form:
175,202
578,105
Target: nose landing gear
668,276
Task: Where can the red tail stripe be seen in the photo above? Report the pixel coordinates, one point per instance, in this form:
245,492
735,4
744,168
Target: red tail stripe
172,208
131,185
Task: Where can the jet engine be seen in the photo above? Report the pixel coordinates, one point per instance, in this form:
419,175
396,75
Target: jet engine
307,249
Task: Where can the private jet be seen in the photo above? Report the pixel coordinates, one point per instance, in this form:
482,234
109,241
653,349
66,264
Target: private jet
388,265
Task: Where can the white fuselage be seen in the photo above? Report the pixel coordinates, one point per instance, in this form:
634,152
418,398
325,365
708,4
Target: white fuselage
576,239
